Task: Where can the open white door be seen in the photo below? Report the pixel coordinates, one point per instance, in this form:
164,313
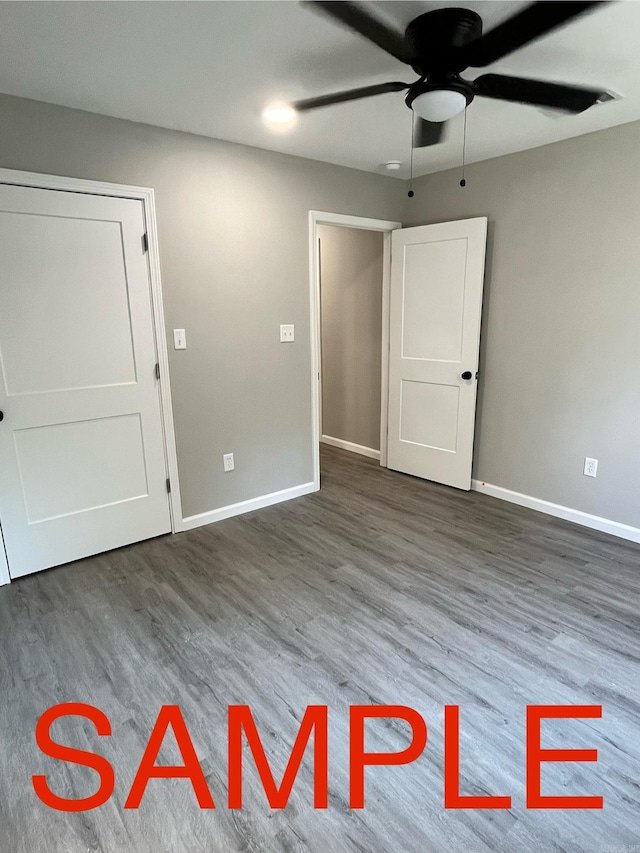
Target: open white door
437,276
82,464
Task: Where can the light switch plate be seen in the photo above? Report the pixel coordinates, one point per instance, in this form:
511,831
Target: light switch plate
287,334
179,339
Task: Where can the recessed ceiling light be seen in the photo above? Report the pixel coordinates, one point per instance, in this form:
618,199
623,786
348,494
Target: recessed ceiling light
280,115
393,165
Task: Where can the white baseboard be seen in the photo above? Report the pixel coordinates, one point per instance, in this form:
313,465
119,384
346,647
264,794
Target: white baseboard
595,522
246,506
349,445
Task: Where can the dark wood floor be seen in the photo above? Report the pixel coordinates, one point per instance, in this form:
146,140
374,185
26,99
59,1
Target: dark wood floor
380,589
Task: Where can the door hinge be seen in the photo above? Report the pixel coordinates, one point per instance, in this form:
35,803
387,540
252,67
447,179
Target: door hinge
157,370
145,242
168,485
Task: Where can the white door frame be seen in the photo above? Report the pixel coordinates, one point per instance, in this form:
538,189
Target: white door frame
4,566
147,197
319,217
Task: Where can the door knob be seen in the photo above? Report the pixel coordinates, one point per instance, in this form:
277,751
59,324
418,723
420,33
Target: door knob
1,416
467,375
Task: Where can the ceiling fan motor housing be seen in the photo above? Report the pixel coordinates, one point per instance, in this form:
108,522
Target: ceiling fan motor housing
436,35
435,38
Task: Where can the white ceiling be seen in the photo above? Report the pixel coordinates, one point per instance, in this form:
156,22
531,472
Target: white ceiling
209,68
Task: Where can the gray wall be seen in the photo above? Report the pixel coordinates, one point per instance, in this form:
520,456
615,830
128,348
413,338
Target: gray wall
233,225
351,315
560,356
560,346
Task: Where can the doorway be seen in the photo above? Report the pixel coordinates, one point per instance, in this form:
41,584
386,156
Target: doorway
350,267
432,288
86,458
350,338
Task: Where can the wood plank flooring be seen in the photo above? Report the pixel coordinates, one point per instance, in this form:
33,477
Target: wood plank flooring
379,589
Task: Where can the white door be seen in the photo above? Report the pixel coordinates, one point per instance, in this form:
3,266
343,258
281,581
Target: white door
82,465
435,303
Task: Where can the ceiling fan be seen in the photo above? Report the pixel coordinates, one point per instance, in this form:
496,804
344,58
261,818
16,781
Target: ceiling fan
440,44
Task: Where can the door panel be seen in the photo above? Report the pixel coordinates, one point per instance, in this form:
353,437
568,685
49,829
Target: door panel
82,464
440,403
50,455
84,339
437,274
433,301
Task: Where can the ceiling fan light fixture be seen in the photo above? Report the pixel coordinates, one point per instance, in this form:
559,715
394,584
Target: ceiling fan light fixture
439,104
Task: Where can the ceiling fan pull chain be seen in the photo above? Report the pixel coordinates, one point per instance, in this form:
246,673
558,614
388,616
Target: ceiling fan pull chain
413,130
463,182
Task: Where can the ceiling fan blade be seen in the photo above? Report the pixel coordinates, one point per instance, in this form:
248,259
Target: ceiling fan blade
534,21
427,132
359,20
349,95
573,99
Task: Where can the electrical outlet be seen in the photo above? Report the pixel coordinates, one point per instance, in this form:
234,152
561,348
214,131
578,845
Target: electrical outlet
590,467
287,334
179,339
227,461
